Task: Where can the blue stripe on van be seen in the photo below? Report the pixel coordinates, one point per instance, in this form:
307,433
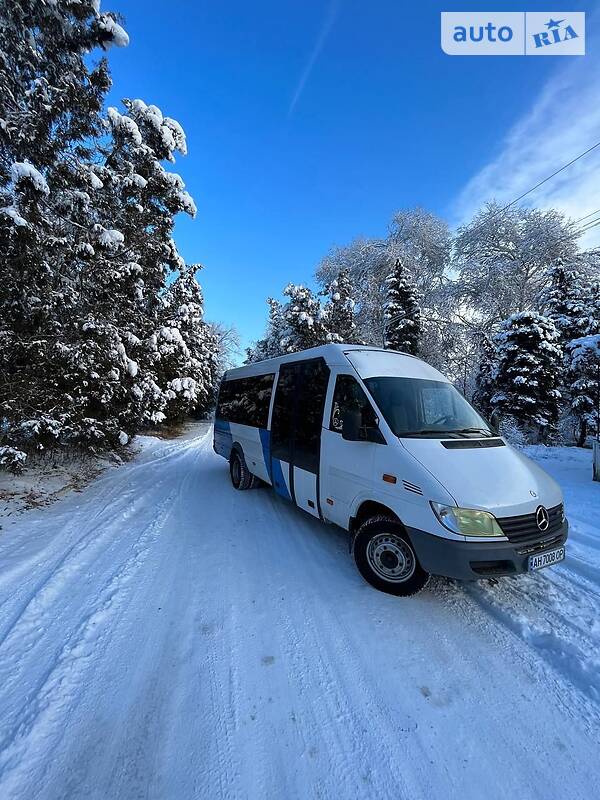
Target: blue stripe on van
278,479
265,440
223,439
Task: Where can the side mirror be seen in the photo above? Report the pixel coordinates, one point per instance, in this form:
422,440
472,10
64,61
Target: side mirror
351,425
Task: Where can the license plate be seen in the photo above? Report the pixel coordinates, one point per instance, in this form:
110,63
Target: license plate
547,559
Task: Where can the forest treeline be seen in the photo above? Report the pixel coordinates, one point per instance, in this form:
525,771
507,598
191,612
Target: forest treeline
508,307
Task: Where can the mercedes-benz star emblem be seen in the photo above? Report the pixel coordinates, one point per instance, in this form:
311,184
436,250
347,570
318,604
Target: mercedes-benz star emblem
542,518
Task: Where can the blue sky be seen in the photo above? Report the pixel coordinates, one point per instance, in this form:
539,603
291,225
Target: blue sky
309,123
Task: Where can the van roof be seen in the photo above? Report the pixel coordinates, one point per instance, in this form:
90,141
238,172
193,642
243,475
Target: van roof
342,354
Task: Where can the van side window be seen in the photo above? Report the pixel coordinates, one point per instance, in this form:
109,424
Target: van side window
283,413
298,413
348,394
312,391
246,400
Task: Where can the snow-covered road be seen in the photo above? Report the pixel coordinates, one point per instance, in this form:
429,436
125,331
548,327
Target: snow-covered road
162,636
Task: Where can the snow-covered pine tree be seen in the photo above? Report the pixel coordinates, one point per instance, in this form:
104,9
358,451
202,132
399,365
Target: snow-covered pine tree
187,365
142,198
86,217
303,323
339,310
423,242
528,373
271,345
583,360
49,106
402,312
562,300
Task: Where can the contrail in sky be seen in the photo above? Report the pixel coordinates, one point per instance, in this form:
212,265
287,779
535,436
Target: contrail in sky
332,12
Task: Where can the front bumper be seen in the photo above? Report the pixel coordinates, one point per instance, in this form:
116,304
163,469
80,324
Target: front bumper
470,561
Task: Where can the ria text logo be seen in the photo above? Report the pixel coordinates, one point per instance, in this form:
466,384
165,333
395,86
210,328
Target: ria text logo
513,33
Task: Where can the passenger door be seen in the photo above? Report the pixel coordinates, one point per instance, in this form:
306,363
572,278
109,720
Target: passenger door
296,431
347,466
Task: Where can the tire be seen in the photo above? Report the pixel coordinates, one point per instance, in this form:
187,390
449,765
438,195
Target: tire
386,558
241,477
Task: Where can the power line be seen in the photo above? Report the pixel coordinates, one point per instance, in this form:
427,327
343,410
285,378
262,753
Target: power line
556,172
537,186
591,214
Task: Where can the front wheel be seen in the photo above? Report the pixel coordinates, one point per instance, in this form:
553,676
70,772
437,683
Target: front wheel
386,559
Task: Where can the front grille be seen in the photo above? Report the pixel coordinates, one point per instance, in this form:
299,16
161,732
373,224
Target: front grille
524,529
537,547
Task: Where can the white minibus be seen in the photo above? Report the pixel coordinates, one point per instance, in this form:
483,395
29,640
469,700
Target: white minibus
383,445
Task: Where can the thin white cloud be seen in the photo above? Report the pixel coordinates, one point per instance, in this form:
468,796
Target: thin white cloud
330,18
563,122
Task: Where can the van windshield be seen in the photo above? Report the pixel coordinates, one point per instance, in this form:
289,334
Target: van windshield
417,407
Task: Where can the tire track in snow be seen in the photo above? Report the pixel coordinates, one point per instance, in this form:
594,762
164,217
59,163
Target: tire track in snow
584,538
359,737
567,656
105,491
50,586
584,569
115,498
41,719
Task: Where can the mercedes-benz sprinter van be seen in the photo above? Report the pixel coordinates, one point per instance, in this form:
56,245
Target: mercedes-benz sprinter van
383,445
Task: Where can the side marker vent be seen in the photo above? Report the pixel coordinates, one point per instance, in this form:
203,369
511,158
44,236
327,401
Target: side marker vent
411,487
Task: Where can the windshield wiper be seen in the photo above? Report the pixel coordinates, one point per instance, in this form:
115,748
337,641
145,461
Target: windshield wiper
428,432
452,434
485,431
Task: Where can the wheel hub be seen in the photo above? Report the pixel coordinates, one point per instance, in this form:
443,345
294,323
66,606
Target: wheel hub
391,557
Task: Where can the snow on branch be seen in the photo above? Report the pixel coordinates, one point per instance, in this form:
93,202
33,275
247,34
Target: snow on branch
12,212
23,171
115,34
127,126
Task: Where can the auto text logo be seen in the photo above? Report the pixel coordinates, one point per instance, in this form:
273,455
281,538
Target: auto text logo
513,33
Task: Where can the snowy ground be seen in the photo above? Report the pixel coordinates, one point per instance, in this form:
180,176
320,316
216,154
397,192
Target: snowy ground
48,480
162,636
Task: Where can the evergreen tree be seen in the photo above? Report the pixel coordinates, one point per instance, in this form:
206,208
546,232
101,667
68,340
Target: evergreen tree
50,103
402,312
589,309
583,358
529,359
271,345
562,300
187,360
303,323
86,219
339,311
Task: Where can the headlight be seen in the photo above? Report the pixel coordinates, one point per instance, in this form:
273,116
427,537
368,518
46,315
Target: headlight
467,521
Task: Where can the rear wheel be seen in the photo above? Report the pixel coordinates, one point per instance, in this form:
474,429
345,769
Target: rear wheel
386,558
241,477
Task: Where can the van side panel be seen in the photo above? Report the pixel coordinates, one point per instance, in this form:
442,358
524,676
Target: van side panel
223,440
281,478
255,447
305,489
